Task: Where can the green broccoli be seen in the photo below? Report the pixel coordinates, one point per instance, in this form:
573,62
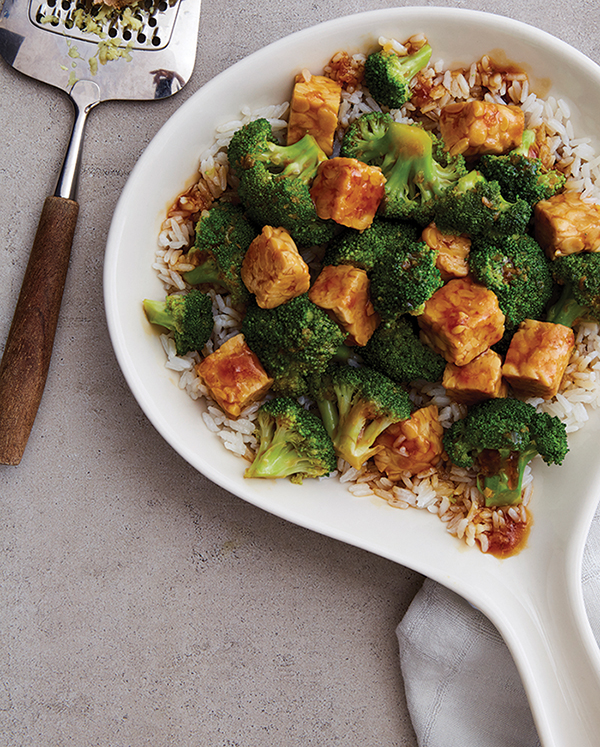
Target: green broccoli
395,350
255,143
292,341
404,279
405,153
364,249
499,437
274,181
223,235
580,276
292,442
388,76
475,206
442,156
356,406
516,269
188,316
521,175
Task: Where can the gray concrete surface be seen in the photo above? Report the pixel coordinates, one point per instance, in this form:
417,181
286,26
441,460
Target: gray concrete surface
141,604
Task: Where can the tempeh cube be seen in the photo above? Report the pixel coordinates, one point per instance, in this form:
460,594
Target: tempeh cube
479,380
472,128
461,320
537,358
344,290
348,191
411,446
452,251
314,110
273,269
567,224
234,376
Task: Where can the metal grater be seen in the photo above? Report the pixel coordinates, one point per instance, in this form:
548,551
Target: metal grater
93,54
156,16
46,40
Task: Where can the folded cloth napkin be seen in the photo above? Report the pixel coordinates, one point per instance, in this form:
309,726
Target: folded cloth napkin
462,686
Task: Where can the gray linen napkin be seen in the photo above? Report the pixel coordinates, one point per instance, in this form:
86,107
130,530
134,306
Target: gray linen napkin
460,680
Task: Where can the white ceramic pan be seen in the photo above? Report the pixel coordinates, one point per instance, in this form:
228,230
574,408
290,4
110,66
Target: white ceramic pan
534,598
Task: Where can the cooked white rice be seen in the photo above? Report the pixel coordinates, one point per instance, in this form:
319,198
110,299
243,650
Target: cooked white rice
446,490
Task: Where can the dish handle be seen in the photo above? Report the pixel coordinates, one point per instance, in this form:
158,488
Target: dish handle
557,656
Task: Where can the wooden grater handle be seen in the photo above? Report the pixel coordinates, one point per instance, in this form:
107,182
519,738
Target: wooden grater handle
28,350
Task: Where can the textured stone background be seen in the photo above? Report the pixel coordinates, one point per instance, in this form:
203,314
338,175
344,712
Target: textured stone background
141,604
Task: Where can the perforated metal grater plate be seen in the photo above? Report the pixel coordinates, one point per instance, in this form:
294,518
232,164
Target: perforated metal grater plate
156,18
145,52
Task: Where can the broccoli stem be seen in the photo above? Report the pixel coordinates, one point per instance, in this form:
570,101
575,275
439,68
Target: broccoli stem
497,491
329,415
527,141
158,313
375,429
468,181
566,310
505,486
207,272
399,179
276,458
343,354
415,62
344,396
300,159
357,435
349,440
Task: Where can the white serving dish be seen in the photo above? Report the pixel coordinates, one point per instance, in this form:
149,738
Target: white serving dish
533,598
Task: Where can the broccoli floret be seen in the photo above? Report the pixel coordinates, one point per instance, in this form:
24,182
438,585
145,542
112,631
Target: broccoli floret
500,437
475,206
223,235
580,298
274,181
516,269
292,341
404,279
521,175
442,156
365,248
388,76
285,203
405,154
255,143
396,350
357,405
292,442
188,316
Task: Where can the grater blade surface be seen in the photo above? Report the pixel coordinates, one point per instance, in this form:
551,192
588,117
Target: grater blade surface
145,53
